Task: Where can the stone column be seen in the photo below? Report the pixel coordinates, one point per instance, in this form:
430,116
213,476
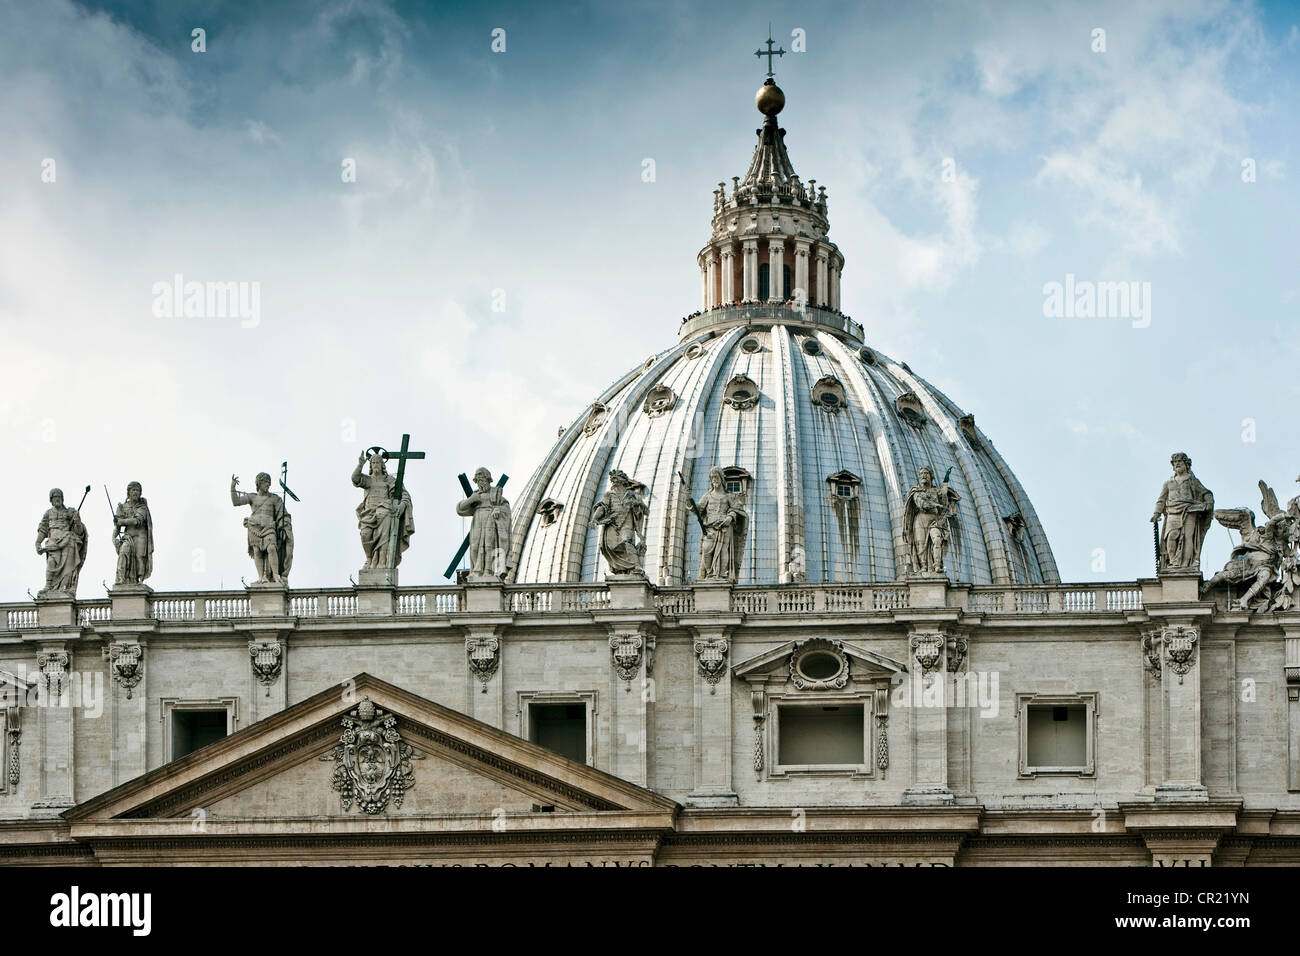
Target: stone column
776,258
711,279
1180,709
801,247
268,653
128,697
711,656
631,700
704,285
835,287
1291,628
54,665
484,683
927,705
728,276
823,297
750,249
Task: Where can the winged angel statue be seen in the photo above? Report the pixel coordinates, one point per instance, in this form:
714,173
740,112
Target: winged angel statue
1267,561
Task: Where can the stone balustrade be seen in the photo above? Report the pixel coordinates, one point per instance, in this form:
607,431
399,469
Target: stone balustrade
807,599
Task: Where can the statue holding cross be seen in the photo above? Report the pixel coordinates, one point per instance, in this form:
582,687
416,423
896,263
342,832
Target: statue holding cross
386,516
489,530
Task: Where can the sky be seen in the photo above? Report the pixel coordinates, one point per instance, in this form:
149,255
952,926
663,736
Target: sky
500,255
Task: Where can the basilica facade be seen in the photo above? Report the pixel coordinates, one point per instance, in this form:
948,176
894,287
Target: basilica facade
772,599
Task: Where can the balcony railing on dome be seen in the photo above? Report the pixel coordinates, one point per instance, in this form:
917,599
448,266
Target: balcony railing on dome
791,600
780,313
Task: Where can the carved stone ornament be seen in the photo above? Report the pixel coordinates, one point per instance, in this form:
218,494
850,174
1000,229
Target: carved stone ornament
1180,648
372,762
53,666
267,658
659,401
882,747
928,649
595,418
957,648
741,392
484,657
1151,654
125,664
626,650
14,731
759,701
711,654
811,664
828,394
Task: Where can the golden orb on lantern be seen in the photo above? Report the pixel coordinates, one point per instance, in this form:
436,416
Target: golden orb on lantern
769,99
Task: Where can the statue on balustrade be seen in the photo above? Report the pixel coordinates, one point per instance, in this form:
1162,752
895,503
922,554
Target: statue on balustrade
489,530
621,516
270,530
62,538
376,513
724,523
1267,561
1188,509
133,535
927,518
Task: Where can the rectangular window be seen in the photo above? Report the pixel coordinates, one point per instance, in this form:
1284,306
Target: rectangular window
821,736
561,727
1057,734
193,729
189,725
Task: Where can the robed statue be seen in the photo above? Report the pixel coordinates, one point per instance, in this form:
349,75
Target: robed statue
377,511
621,516
62,538
926,522
1188,509
489,530
270,530
133,535
724,523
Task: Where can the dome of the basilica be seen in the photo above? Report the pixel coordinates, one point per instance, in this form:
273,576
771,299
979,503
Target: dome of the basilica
820,439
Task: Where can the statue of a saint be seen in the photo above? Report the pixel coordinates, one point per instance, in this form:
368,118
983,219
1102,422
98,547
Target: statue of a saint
375,513
621,517
1268,558
133,535
489,530
1188,507
270,530
723,526
925,522
61,537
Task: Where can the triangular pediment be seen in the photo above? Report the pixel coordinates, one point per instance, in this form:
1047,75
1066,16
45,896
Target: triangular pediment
867,663
285,768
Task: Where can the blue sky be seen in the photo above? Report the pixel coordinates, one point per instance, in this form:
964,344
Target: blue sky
520,171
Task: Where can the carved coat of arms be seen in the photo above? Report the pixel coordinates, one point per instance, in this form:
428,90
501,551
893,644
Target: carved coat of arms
372,762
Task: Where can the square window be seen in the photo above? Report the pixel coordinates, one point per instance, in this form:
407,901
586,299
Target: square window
1057,734
560,727
830,735
189,725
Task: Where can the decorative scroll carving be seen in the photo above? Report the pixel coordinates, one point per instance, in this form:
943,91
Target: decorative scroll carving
14,731
267,658
1151,654
819,648
484,652
626,651
1179,642
741,392
828,394
882,745
711,654
372,762
125,664
957,648
53,666
927,648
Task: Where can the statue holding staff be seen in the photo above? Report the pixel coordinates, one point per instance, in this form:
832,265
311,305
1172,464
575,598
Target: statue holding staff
133,535
62,538
270,530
